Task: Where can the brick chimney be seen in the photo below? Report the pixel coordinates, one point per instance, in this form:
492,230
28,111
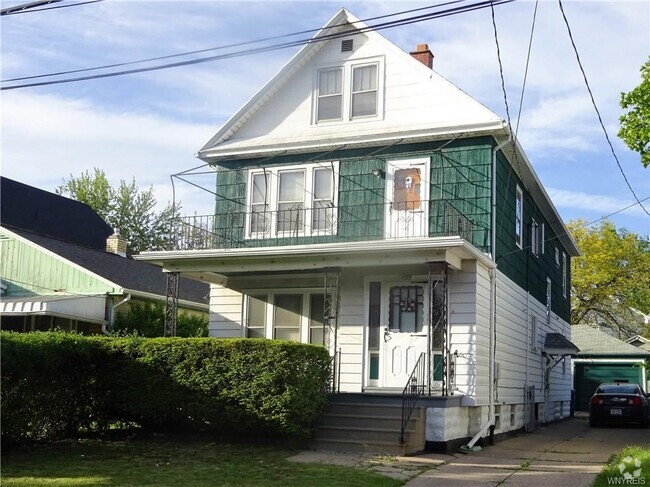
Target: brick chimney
116,244
424,55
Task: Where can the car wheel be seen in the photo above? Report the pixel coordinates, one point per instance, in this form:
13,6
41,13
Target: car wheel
592,422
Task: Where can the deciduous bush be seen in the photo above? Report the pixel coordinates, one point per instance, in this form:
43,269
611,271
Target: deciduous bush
55,383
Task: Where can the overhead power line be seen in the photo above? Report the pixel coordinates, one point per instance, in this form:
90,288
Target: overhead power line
27,6
376,27
227,46
600,118
31,7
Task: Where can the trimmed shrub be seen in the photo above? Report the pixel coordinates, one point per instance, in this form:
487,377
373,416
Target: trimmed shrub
148,319
55,383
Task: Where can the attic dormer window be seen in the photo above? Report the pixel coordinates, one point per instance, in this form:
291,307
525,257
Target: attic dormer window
364,91
351,91
330,94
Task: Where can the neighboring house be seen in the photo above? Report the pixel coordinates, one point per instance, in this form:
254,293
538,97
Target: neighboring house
366,203
60,266
604,358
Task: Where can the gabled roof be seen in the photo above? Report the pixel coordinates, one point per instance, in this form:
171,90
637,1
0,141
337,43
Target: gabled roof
131,275
32,209
593,342
426,107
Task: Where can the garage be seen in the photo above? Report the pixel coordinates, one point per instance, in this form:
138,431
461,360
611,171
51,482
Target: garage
603,358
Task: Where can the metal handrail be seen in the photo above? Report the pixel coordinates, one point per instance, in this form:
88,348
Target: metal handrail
413,389
335,369
368,221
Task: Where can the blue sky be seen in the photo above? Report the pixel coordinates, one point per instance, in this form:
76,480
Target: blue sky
150,125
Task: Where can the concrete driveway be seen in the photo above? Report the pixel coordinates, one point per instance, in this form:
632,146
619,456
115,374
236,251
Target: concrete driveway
567,453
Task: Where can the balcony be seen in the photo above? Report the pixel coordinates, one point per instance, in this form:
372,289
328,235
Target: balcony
295,225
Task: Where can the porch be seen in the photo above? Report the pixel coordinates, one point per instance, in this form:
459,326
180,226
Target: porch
235,227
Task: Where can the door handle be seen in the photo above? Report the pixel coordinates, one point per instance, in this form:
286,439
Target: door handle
387,336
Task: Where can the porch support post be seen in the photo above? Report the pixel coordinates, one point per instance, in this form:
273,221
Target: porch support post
171,308
332,294
437,324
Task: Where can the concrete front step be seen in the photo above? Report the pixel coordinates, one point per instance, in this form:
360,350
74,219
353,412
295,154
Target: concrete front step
382,435
360,421
386,448
367,426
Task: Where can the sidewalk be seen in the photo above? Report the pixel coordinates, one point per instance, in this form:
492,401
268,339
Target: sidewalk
567,453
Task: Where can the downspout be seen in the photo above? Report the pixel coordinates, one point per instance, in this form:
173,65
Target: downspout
107,329
493,301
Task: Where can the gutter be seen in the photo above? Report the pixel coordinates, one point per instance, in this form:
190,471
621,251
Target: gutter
111,317
490,422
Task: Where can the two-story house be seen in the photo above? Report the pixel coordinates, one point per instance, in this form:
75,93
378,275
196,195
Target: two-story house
367,204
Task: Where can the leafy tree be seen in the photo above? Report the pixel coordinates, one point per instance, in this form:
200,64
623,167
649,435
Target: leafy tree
635,124
610,282
148,320
128,209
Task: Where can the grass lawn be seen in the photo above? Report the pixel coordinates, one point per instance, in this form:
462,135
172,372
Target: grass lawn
633,459
156,462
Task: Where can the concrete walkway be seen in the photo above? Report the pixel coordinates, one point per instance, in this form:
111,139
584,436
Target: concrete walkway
567,453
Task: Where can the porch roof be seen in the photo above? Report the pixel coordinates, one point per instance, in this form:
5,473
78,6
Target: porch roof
217,265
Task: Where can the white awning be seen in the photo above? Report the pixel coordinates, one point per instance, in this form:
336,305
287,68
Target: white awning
86,308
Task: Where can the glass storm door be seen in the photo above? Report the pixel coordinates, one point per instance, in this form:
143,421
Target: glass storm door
405,334
407,194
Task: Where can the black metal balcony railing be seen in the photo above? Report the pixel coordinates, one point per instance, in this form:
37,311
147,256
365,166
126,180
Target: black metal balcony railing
295,224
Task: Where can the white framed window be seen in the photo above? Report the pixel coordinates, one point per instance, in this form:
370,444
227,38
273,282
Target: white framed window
533,332
548,300
519,217
292,201
557,256
285,314
364,91
543,238
349,91
330,94
535,238
565,275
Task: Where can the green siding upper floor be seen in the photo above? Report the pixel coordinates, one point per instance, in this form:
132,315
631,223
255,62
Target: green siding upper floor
27,270
520,264
459,191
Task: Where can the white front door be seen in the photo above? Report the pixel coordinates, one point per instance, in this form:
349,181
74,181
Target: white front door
404,338
407,194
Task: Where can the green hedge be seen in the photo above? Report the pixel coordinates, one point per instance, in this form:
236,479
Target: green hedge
54,383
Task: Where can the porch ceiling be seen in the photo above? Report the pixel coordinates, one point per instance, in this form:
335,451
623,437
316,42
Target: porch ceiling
217,265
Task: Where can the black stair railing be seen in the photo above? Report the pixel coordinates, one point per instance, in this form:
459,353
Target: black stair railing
413,389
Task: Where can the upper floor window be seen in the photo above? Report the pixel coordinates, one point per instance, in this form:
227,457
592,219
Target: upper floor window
330,94
535,239
565,275
348,92
519,217
292,201
364,91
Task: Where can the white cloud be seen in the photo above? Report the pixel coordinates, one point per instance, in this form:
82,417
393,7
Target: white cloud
593,203
47,138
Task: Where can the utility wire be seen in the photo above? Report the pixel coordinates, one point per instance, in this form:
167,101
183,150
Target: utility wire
26,6
51,8
377,27
600,119
227,46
